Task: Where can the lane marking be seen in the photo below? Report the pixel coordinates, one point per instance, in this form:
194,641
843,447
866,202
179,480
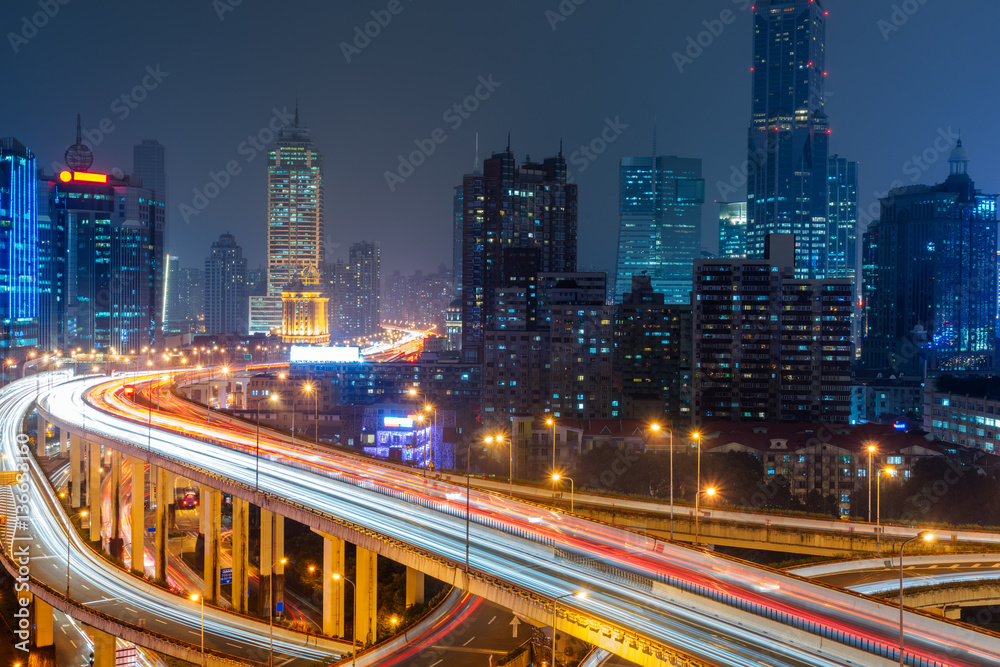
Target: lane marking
160,620
196,634
437,663
234,645
495,618
73,643
468,642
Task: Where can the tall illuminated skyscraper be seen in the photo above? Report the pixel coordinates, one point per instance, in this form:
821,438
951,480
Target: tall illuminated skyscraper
18,247
226,288
659,232
842,221
788,137
733,230
294,219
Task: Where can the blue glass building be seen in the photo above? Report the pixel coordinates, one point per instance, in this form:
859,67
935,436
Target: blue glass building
18,246
788,139
930,278
659,233
842,220
733,230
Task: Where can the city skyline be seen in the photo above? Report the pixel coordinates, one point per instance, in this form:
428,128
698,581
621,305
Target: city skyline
865,46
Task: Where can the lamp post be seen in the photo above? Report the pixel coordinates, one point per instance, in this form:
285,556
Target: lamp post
871,451
926,536
309,389
580,595
510,450
271,397
468,507
270,610
354,631
556,478
878,507
195,598
429,408
82,514
655,428
710,492
697,495
552,422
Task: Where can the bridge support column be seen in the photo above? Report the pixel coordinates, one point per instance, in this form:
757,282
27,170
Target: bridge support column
164,499
94,491
365,608
62,441
116,545
333,591
272,550
104,648
414,587
75,461
211,517
40,424
138,515
43,651
241,529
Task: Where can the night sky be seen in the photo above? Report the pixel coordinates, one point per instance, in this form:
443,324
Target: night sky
223,67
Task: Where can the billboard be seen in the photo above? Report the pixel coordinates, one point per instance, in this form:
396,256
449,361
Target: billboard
398,422
303,354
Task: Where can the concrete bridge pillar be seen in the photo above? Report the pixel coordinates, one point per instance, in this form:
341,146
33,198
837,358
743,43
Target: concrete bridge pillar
164,500
43,650
414,587
63,436
211,518
365,608
333,591
272,551
94,491
104,648
75,461
138,515
116,545
40,440
241,529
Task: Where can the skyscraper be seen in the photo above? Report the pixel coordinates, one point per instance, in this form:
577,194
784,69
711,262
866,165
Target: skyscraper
149,164
294,218
19,266
769,346
733,230
659,231
362,305
458,208
842,220
506,207
930,278
226,288
788,136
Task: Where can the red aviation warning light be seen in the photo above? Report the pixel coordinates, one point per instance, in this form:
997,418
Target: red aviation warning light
82,177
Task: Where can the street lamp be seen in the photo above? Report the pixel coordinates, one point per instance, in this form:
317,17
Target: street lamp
308,388
656,428
580,595
195,598
878,507
270,609
552,422
697,495
871,452
926,536
429,408
271,397
354,631
83,515
710,492
510,449
556,478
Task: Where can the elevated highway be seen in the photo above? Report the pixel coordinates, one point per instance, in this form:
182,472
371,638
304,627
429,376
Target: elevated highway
650,601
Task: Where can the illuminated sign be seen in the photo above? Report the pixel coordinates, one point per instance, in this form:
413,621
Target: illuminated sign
302,354
82,177
899,426
398,422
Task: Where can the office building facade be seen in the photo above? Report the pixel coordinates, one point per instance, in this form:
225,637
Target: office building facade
659,232
226,288
788,136
842,220
733,230
930,278
769,346
19,247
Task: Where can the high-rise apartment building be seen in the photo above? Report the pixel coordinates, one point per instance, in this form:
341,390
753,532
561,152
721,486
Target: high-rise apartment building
930,278
19,241
842,220
226,288
788,143
458,210
294,219
508,207
769,346
149,163
659,232
733,230
362,306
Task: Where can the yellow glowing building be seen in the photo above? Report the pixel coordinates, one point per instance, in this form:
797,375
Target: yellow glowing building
304,319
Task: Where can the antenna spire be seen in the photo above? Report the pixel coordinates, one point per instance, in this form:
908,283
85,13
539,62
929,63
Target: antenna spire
296,108
79,134
508,142
475,164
